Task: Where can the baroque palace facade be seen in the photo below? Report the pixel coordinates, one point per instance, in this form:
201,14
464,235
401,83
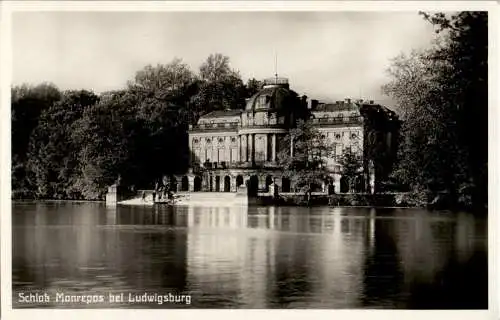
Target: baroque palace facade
234,148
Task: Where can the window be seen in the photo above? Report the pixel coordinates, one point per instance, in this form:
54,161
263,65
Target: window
221,140
233,139
353,136
337,136
208,140
195,140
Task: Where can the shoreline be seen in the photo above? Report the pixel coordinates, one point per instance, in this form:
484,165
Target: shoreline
56,200
207,204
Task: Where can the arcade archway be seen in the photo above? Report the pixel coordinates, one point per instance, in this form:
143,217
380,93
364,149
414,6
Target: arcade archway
227,184
239,180
184,184
285,184
197,184
253,186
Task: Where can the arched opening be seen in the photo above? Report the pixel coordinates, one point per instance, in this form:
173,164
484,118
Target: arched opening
269,181
253,186
184,184
227,184
173,184
211,183
285,184
344,184
197,184
217,184
239,180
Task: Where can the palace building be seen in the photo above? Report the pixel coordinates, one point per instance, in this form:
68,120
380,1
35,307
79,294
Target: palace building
231,148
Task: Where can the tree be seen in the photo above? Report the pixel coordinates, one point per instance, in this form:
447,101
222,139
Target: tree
108,133
253,86
216,68
306,167
28,102
52,154
220,87
443,98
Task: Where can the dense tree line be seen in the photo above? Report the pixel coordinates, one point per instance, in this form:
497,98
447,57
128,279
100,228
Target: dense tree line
73,144
442,95
302,156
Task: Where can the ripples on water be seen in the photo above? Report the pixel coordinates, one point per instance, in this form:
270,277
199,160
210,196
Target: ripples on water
251,257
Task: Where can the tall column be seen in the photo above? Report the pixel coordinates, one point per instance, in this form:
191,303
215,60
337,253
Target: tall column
233,184
253,147
265,146
238,156
249,147
273,147
221,183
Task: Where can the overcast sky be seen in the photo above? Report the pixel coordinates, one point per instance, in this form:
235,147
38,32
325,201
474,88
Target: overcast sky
326,55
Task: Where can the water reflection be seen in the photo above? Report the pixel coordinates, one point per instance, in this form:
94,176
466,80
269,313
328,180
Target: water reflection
254,257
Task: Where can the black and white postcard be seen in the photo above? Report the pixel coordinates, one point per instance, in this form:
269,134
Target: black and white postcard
328,157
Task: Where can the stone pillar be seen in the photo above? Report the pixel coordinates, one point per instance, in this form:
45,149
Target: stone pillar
191,183
262,182
273,147
112,195
336,183
214,180
238,156
221,183
233,183
265,146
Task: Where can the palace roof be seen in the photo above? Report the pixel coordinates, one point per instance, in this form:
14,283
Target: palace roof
222,114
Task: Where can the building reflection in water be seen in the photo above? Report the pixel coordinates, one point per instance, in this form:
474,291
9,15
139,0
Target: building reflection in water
255,257
314,260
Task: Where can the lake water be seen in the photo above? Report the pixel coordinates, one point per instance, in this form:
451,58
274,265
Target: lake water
75,255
